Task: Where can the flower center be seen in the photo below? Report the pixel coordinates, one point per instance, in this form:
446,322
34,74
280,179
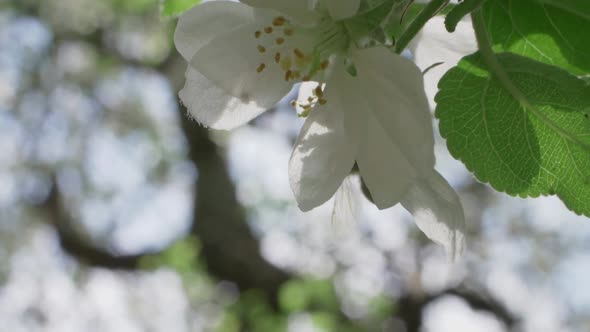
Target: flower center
301,53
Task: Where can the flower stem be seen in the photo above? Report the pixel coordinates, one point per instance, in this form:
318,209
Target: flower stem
418,23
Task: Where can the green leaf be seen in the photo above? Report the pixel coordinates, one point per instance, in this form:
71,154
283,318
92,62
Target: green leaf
517,150
577,7
459,11
542,31
403,16
404,13
176,7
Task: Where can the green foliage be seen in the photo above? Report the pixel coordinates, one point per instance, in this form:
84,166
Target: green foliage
255,313
542,30
459,11
170,8
518,150
229,323
182,256
133,6
382,307
396,24
326,321
299,295
522,124
366,28
577,7
293,297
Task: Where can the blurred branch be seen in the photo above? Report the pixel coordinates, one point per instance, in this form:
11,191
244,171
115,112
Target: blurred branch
78,247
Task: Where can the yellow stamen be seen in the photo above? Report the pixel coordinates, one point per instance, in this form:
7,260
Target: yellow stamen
260,68
279,21
318,91
298,53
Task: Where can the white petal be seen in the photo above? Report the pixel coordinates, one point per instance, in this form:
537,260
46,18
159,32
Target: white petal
345,204
437,212
297,10
345,91
340,9
394,90
202,23
383,167
386,160
231,62
212,107
321,158
434,44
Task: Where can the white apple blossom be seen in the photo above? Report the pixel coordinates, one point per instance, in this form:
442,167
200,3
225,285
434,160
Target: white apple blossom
368,105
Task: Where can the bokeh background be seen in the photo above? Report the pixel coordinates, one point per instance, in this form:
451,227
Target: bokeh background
119,214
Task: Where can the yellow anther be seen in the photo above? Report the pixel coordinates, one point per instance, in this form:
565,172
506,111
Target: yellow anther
260,68
298,53
318,91
279,21
286,63
293,103
306,110
277,57
288,75
322,101
261,48
280,40
257,34
324,64
288,32
268,29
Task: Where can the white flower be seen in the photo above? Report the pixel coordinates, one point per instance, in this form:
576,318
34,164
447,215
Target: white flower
369,109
